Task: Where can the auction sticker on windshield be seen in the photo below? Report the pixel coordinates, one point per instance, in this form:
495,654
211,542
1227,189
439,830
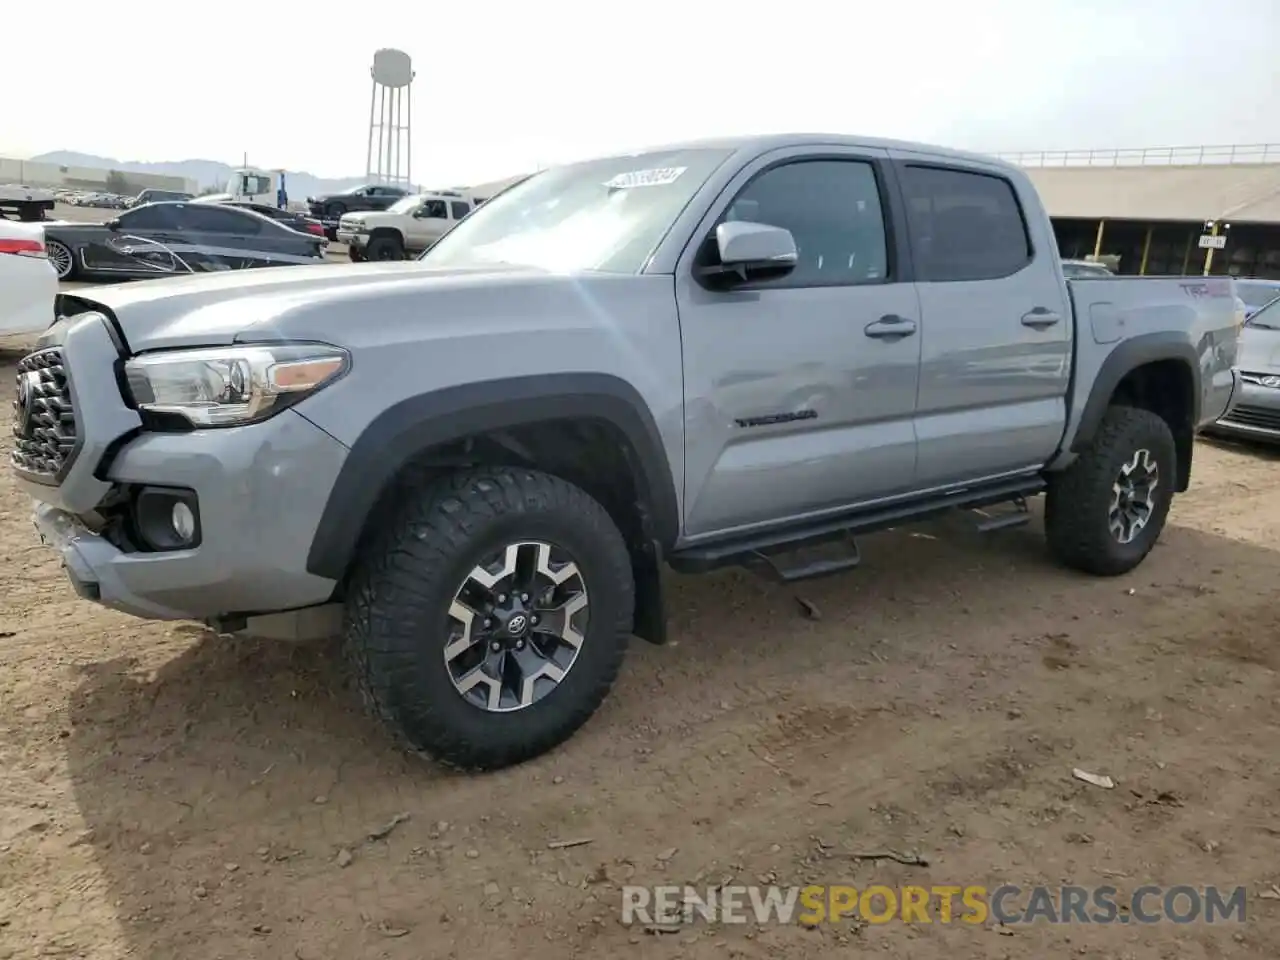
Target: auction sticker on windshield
657,177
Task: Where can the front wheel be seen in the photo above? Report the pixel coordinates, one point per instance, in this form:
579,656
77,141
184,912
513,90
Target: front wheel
384,248
489,619
1105,512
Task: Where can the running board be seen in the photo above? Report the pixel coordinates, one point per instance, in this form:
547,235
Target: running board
1019,516
759,550
771,565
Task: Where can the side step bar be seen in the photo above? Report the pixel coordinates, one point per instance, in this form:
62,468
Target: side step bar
758,551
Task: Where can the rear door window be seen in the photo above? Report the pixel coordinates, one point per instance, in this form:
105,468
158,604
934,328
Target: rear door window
964,225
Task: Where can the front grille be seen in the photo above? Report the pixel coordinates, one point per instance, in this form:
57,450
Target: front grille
44,421
1247,415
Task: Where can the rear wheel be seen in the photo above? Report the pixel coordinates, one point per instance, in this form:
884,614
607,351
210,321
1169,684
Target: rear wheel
489,619
1105,512
384,248
64,264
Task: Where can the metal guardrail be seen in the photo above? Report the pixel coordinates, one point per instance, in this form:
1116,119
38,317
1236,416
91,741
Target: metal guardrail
1148,156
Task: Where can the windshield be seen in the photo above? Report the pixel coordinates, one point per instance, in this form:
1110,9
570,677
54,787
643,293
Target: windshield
1268,318
406,205
1256,294
606,215
353,190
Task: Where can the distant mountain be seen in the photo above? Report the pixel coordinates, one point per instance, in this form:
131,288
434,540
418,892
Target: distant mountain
207,173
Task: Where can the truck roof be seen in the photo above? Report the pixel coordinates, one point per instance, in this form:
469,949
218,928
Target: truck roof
761,143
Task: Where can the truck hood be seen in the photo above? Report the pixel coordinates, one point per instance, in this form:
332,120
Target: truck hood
269,303
1259,350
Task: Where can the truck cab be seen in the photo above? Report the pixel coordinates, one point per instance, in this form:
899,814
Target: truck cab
249,185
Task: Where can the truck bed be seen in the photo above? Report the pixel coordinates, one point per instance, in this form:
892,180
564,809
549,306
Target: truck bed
1124,317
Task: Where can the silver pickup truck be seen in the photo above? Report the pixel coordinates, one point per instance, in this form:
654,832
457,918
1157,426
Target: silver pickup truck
728,352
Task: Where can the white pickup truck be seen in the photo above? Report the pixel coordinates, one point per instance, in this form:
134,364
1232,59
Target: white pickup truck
29,203
408,228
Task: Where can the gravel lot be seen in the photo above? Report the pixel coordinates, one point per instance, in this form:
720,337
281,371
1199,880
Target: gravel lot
167,793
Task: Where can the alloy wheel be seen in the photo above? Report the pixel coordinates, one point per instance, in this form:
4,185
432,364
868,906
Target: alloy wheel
1133,499
60,257
517,624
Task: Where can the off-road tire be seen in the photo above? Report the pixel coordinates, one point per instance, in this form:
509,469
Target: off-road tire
378,246
404,581
1079,498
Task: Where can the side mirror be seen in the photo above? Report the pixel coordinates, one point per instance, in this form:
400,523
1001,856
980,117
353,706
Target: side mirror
113,224
751,252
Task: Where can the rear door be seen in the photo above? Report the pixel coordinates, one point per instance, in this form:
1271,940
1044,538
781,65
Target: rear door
222,238
800,391
996,328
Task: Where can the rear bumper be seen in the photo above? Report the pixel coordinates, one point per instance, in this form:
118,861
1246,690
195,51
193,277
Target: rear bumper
28,288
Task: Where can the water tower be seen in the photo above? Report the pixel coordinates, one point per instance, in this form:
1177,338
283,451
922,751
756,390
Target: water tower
390,151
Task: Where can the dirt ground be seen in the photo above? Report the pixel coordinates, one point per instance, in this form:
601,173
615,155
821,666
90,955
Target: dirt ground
166,793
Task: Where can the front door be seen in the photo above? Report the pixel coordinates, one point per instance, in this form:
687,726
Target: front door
800,391
996,335
428,224
138,245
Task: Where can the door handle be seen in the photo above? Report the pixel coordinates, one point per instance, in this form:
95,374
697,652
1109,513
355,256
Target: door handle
890,327
1040,319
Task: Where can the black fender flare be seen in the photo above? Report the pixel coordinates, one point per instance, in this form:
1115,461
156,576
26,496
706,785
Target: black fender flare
427,420
1123,360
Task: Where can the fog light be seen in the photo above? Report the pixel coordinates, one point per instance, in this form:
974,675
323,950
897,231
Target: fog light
184,522
167,518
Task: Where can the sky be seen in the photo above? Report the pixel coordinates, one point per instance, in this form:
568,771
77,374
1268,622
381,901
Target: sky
504,87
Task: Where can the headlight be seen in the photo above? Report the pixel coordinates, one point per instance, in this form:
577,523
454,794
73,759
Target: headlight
229,386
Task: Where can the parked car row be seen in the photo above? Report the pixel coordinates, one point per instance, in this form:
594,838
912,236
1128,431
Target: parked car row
80,198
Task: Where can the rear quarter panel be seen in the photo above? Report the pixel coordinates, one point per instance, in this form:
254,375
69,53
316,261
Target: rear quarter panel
1152,318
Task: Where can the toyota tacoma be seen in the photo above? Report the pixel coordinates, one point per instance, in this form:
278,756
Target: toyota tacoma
739,352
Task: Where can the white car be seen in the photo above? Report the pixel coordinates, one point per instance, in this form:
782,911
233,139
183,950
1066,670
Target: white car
28,283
